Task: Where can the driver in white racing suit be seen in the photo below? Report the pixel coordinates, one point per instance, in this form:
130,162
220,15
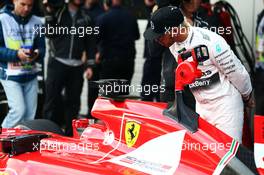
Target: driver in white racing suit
225,83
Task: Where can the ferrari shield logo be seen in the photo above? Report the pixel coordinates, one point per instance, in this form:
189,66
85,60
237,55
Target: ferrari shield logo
131,133
4,173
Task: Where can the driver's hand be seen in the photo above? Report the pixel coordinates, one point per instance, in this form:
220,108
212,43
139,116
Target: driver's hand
249,101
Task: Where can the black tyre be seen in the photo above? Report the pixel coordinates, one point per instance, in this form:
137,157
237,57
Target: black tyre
41,125
3,108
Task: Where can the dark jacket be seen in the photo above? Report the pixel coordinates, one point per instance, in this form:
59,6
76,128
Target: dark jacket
9,55
118,32
94,11
156,50
69,44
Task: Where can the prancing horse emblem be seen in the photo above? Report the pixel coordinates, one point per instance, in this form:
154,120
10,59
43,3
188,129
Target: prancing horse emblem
131,133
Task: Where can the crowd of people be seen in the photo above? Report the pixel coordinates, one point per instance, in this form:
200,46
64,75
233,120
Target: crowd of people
100,48
97,39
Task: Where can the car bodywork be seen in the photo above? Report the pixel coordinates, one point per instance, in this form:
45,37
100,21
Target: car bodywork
134,138
259,143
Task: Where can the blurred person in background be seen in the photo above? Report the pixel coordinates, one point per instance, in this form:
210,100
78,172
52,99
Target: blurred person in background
93,9
190,11
259,76
152,66
118,33
36,10
65,66
19,52
3,4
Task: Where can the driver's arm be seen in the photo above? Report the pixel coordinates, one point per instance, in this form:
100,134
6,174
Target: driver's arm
228,64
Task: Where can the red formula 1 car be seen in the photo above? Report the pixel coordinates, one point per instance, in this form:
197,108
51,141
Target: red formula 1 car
133,137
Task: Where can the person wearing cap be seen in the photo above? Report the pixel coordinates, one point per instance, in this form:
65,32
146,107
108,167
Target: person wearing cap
168,62
225,84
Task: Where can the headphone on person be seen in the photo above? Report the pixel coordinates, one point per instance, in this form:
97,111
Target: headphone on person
108,2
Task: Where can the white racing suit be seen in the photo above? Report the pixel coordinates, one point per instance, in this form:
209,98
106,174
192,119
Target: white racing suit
218,93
